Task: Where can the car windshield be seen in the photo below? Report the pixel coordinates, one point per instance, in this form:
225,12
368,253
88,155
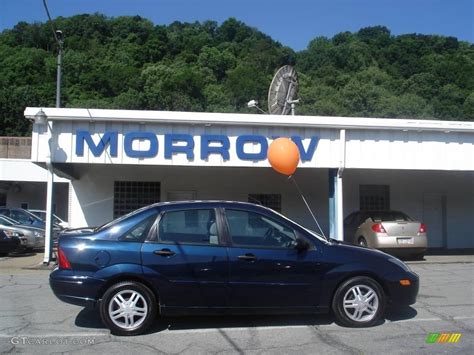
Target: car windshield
40,214
33,216
386,216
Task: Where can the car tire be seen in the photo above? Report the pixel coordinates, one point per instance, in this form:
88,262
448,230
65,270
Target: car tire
362,242
420,256
350,306
128,308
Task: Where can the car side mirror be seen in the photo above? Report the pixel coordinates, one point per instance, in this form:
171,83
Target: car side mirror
301,245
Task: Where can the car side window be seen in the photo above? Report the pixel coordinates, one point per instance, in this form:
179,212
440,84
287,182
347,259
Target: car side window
190,226
139,232
251,229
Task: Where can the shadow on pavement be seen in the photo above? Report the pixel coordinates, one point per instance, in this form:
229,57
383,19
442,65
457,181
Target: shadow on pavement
21,254
395,314
90,318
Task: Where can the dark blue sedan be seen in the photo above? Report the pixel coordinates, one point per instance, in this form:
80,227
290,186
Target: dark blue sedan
217,257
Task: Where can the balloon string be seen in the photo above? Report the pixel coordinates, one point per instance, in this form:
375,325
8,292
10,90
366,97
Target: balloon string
306,203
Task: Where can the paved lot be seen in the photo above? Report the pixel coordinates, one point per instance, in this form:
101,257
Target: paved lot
32,320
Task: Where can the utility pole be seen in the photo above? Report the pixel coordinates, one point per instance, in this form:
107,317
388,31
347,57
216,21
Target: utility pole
48,245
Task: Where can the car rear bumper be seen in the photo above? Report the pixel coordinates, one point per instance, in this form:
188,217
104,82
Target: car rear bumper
418,243
77,290
403,295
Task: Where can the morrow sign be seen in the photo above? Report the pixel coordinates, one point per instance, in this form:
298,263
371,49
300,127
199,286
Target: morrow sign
179,143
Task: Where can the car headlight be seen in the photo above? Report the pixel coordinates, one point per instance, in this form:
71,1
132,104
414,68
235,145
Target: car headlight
37,234
11,234
399,263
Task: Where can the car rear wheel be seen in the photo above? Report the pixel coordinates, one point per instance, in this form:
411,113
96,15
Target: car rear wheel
128,308
362,242
359,302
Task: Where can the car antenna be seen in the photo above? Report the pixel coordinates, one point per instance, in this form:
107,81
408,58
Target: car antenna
291,177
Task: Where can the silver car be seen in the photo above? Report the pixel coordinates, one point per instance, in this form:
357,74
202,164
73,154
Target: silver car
390,231
34,236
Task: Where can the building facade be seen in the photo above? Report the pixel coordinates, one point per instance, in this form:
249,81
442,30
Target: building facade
118,160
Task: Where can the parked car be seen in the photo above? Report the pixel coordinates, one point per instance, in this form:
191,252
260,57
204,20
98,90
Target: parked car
390,231
222,257
23,216
10,242
56,220
34,236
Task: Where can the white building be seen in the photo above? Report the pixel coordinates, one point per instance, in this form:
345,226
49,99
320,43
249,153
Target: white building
119,160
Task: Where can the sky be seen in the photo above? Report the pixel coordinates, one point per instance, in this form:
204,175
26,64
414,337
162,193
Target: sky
291,22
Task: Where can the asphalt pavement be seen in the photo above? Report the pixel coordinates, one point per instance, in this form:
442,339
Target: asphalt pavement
32,320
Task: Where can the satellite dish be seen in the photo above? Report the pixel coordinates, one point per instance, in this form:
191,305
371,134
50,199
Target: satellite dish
283,91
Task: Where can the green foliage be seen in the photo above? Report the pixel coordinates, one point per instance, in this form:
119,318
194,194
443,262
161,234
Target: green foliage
129,63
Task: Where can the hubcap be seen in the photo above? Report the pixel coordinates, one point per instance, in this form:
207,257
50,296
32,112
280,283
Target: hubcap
128,309
361,303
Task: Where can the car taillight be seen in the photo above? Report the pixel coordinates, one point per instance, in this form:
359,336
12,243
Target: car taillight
378,228
63,263
422,228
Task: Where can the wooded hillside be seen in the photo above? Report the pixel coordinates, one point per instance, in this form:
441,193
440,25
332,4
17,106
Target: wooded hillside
129,63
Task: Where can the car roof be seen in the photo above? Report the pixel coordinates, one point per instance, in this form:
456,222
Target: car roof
209,203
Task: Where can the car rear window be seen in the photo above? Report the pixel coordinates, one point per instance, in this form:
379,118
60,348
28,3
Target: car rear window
386,216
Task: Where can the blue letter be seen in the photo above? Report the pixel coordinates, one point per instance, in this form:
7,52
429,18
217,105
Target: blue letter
97,150
241,140
187,149
130,137
306,155
223,150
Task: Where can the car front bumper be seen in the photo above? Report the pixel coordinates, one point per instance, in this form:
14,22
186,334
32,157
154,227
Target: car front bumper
402,295
77,290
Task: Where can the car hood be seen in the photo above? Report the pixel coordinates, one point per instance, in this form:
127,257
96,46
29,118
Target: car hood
21,228
352,252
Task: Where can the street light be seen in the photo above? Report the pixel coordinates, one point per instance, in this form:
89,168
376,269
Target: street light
41,118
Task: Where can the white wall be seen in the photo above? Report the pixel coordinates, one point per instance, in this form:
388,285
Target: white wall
23,170
92,200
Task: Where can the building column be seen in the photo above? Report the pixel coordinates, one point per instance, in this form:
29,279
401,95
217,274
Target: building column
336,216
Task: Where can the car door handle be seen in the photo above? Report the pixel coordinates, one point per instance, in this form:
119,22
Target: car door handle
247,257
164,252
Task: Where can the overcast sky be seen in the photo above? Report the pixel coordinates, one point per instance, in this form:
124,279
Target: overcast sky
291,22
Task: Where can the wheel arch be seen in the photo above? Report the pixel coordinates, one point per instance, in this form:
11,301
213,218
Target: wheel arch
128,277
365,273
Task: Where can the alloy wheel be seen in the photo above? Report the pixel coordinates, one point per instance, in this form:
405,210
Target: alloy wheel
361,303
128,309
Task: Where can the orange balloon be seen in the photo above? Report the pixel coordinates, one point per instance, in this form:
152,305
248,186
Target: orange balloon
284,156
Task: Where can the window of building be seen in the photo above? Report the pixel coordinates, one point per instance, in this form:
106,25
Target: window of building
193,226
374,197
132,195
272,201
24,205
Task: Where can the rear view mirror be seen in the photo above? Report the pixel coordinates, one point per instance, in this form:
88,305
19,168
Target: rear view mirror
301,244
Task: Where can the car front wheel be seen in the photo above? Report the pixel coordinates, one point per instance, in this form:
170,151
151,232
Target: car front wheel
359,302
128,308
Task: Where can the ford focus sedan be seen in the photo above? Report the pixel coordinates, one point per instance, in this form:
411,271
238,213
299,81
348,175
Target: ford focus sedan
218,257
